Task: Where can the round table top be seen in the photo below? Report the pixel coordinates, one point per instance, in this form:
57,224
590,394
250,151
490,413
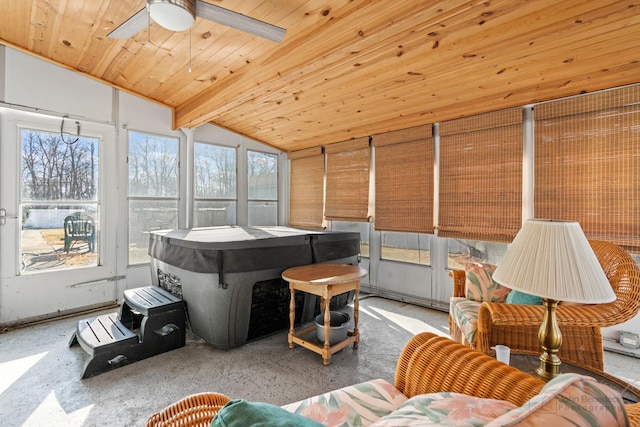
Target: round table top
324,274
527,362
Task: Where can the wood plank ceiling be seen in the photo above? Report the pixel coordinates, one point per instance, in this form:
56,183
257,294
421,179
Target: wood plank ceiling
346,68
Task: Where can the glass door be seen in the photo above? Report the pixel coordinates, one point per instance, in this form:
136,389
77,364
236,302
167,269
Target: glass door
57,255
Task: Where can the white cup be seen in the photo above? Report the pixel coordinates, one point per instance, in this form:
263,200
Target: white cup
502,353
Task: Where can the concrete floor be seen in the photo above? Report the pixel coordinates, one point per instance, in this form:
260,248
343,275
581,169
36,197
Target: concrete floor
40,381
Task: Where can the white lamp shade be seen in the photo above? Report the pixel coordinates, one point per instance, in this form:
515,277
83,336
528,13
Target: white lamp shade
553,259
174,15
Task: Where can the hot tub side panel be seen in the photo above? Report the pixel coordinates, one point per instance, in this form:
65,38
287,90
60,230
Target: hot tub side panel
221,294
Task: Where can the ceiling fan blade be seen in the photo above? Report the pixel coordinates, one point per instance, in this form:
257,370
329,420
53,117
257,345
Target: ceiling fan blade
131,26
239,21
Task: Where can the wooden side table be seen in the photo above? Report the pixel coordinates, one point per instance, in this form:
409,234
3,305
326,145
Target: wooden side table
325,281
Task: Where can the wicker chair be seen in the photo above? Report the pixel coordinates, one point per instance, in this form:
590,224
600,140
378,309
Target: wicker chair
431,363
517,326
196,410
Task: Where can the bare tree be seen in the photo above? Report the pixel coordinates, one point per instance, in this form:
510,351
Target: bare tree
153,166
55,170
215,171
262,170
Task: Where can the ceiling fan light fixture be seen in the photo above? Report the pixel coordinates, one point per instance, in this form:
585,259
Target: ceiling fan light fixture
174,15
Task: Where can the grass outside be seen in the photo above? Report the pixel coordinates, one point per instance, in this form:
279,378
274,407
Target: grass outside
51,255
420,256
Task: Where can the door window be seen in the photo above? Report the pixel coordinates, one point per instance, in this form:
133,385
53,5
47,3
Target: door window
59,201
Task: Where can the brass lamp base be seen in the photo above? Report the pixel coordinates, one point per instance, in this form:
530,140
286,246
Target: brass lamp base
551,338
546,371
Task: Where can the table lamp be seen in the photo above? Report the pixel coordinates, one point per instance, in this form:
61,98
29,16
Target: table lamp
553,260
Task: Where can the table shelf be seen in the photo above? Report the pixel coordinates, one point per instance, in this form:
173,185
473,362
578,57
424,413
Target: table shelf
318,347
325,281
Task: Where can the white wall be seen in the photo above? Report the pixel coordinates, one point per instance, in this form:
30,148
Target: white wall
3,54
34,83
141,115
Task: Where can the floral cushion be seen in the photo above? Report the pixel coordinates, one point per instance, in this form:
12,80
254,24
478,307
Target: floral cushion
569,399
445,409
479,283
465,313
355,405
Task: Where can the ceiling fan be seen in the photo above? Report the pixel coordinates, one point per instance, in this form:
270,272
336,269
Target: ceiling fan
179,15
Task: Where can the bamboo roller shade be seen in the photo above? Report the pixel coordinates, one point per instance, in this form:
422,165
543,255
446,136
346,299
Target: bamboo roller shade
404,180
481,176
307,188
348,165
492,120
587,164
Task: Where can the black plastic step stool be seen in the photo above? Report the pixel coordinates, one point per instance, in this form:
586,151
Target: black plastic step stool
151,321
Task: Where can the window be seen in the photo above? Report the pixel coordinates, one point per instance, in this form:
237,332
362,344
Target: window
153,190
463,251
215,176
262,173
59,200
406,247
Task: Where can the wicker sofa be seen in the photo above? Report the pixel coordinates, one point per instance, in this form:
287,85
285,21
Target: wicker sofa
442,376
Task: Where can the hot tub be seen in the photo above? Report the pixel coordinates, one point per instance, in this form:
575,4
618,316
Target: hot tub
230,276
